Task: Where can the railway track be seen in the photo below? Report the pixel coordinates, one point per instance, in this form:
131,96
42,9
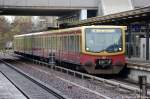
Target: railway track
39,91
70,84
107,84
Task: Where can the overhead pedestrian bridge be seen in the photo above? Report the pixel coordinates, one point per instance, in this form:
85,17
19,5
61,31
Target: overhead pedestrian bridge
45,7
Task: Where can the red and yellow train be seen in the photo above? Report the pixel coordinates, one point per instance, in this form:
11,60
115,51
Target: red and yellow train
97,49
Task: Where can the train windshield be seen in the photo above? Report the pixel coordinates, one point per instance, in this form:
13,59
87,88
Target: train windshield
103,39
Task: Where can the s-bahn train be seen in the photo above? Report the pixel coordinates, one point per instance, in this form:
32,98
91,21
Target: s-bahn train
97,49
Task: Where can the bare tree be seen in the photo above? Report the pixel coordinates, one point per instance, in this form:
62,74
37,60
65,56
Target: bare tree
4,31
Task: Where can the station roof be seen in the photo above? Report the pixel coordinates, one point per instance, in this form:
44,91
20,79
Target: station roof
122,17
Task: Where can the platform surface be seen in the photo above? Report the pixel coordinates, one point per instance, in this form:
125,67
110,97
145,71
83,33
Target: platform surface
138,61
8,90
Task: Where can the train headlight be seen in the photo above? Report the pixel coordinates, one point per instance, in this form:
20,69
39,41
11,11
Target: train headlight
87,49
120,48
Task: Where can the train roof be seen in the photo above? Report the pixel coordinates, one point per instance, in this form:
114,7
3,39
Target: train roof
68,29
45,32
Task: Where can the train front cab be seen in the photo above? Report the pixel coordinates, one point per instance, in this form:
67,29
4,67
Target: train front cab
103,49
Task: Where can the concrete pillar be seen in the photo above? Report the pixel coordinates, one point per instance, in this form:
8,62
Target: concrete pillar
129,42
83,14
100,8
147,41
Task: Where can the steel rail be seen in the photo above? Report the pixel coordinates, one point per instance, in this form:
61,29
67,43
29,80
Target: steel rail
48,88
84,75
24,94
82,87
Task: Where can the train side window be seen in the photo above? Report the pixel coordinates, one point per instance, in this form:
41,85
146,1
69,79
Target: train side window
35,42
38,40
52,42
61,42
71,43
48,42
27,40
69,49
64,45
77,43
79,49
55,42
17,43
58,43
67,42
74,43
41,43
44,41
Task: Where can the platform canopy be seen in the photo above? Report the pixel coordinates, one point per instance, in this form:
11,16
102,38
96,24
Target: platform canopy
122,17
